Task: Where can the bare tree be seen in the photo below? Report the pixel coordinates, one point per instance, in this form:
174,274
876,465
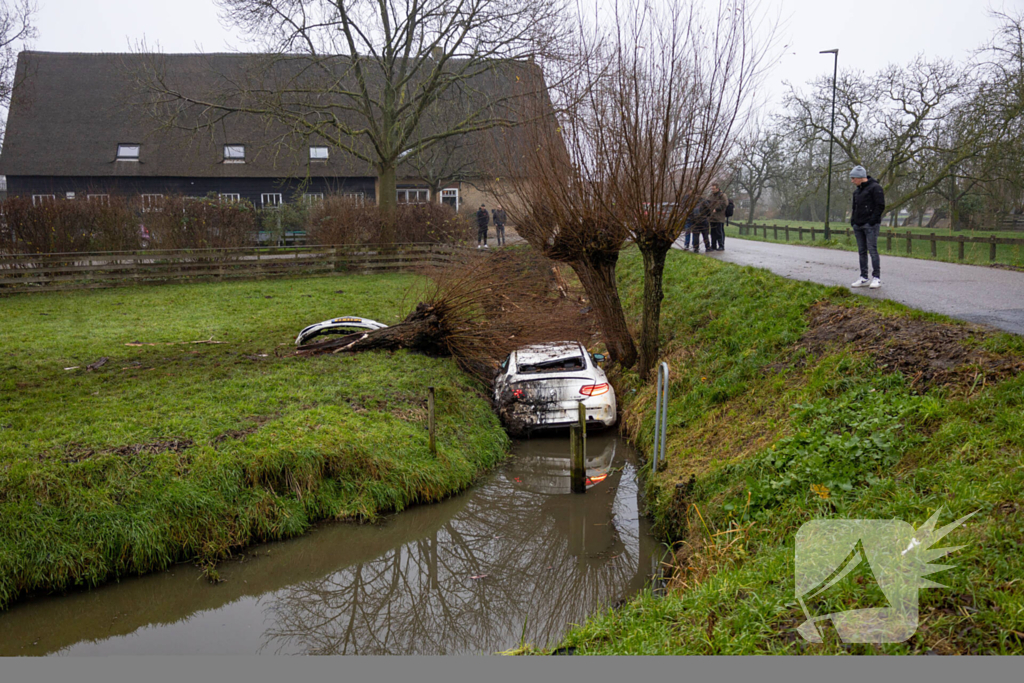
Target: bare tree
911,126
363,76
16,32
643,139
556,182
757,166
683,79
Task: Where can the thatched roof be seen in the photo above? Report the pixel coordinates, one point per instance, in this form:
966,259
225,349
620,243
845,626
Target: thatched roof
70,111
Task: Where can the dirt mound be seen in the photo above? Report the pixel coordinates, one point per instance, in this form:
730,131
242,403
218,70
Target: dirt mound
928,353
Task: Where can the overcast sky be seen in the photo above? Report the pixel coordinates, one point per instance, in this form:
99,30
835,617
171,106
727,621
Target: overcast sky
869,33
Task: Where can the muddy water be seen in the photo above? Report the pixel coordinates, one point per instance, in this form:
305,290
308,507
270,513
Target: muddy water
516,557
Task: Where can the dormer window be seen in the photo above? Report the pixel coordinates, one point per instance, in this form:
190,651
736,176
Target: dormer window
234,154
318,153
128,152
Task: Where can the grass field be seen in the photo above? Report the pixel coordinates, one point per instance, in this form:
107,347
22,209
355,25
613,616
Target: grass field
977,254
171,450
770,429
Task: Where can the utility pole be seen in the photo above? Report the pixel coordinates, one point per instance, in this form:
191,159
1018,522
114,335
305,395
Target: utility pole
831,140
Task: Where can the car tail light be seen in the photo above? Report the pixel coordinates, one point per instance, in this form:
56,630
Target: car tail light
597,479
594,389
518,393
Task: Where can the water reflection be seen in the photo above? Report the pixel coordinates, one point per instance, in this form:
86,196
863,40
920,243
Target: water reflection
513,558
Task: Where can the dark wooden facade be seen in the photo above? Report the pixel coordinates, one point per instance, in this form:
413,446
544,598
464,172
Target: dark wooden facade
251,189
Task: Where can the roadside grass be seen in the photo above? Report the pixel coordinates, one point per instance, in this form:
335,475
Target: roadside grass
765,436
180,451
975,254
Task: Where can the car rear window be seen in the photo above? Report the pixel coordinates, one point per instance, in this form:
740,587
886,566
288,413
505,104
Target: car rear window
554,365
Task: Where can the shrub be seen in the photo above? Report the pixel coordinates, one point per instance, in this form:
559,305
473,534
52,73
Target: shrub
178,222
61,226
343,220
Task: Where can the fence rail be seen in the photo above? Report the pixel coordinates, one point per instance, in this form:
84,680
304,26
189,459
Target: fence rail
60,272
889,235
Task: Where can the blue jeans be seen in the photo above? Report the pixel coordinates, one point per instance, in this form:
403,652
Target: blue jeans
867,244
686,237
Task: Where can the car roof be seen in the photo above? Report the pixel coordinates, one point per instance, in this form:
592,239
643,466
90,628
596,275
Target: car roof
539,353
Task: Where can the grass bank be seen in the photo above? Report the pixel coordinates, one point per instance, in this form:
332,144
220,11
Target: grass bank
793,402
125,446
976,254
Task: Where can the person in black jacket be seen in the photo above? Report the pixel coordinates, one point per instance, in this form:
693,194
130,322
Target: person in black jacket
700,225
500,217
482,219
866,219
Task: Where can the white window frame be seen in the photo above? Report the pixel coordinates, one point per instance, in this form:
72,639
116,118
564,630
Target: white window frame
311,198
150,200
403,195
39,199
358,197
230,197
451,192
128,151
274,203
102,199
318,149
234,154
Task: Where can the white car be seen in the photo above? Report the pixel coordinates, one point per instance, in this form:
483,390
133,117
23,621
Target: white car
542,386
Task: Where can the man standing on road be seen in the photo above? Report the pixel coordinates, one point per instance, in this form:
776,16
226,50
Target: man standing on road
866,219
499,224
482,218
699,225
718,204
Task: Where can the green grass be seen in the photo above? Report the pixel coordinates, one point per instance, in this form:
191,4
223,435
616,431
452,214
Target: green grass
764,437
976,254
186,451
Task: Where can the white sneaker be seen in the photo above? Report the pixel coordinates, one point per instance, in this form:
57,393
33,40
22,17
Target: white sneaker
861,281
875,283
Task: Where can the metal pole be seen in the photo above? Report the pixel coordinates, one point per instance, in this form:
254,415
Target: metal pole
660,417
657,424
831,140
578,452
430,421
664,408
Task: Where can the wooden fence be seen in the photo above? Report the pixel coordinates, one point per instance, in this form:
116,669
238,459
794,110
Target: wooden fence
58,272
889,235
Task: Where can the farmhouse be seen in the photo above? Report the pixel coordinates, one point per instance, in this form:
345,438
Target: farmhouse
82,127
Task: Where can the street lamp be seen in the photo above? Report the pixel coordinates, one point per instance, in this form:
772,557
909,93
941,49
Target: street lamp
831,139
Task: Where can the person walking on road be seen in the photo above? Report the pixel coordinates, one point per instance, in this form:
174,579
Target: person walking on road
718,204
482,218
866,219
500,218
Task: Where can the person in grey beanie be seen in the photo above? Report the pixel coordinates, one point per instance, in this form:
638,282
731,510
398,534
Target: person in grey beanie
866,219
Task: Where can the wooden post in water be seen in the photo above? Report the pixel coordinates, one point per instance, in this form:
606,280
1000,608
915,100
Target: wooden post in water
430,421
578,450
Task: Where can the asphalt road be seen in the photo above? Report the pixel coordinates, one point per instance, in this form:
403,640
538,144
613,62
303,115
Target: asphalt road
977,294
